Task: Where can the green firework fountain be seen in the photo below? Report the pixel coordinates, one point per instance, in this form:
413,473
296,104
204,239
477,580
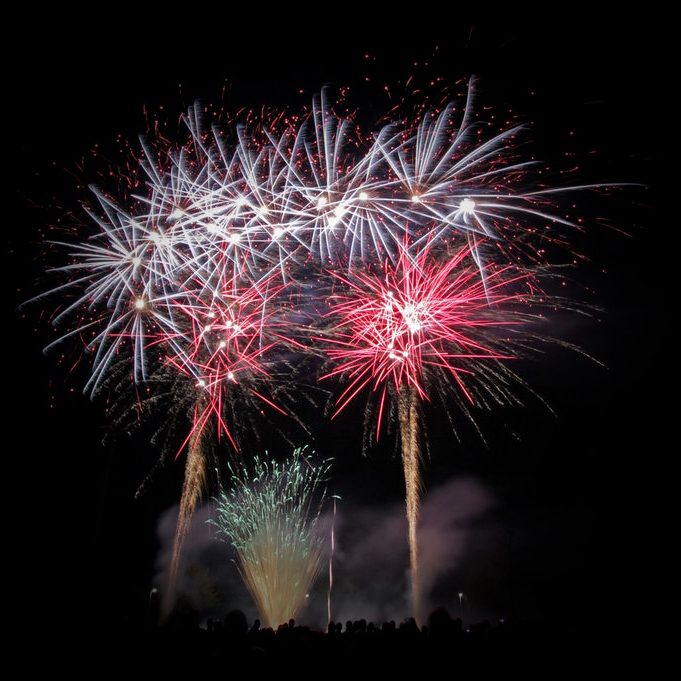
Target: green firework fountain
270,517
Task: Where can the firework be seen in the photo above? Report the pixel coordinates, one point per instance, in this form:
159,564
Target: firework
270,516
286,196
428,224
220,349
221,346
393,329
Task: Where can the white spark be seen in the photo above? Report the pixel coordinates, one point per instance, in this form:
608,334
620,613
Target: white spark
467,206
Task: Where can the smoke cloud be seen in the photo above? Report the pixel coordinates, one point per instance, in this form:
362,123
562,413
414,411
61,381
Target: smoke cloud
370,563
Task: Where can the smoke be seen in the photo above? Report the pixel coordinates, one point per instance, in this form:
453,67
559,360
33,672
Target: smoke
208,580
370,564
449,516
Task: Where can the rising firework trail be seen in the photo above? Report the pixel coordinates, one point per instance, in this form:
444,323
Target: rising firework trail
270,517
193,487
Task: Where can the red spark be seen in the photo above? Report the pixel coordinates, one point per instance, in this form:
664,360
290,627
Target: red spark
422,313
223,343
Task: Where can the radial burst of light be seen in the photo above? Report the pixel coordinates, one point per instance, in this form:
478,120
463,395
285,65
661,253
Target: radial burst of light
117,289
221,345
390,327
290,193
270,517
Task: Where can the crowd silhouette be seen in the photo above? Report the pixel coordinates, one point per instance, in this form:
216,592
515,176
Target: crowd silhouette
182,642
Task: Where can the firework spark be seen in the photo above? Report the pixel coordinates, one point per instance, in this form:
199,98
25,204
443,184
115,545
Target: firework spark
221,346
270,516
390,328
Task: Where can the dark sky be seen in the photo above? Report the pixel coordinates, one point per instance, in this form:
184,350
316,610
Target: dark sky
573,487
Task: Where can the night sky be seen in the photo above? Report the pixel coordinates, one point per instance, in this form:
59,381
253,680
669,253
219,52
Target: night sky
570,488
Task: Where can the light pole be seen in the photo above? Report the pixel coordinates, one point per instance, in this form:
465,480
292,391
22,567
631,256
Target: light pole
461,607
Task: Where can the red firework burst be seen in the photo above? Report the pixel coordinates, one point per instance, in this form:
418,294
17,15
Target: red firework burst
224,338
423,313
